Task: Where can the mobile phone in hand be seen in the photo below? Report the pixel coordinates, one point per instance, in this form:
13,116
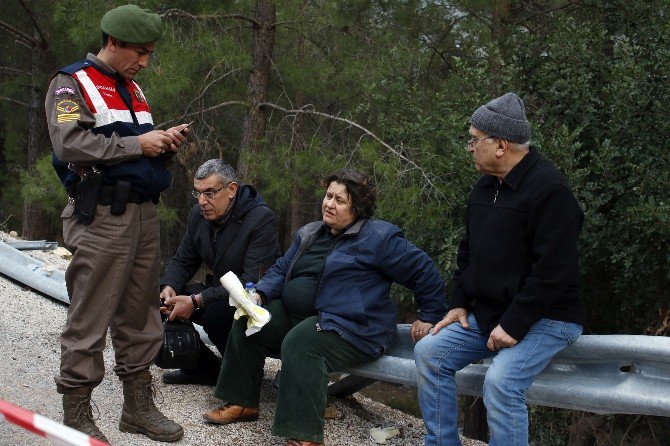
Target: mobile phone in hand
187,126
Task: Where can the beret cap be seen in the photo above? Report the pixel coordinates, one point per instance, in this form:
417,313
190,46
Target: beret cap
132,24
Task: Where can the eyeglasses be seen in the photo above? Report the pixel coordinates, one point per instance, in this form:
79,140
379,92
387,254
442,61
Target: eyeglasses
474,141
209,194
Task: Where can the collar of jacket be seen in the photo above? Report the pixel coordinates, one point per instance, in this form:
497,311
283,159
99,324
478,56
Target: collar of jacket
100,65
518,172
353,229
311,230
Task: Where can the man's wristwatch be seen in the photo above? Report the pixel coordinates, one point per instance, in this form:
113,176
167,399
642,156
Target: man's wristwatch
195,302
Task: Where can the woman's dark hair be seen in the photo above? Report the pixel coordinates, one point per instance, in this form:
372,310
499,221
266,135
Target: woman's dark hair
361,190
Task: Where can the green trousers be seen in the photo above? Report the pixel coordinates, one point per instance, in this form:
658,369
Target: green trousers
307,357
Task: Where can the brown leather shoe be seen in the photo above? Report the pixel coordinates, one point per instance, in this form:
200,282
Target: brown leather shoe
229,413
294,442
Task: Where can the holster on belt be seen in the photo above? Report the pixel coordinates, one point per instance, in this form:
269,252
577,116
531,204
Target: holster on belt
120,197
86,196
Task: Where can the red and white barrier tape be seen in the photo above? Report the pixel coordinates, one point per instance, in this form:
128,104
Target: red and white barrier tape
44,427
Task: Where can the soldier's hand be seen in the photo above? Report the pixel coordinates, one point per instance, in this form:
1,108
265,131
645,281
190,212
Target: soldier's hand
178,135
155,143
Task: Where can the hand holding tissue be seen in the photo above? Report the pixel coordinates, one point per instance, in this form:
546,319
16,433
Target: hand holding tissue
257,316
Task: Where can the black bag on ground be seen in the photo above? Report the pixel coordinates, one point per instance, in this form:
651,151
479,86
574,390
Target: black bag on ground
181,346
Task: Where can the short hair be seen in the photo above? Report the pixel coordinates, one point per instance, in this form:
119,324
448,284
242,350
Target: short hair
361,190
217,167
519,147
105,40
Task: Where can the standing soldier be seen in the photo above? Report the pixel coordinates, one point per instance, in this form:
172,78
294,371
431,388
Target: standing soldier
112,163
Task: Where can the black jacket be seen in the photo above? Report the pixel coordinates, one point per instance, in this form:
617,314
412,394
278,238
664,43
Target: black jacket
246,245
517,262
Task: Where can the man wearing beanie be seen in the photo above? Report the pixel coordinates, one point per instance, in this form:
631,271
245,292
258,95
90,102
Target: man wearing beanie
112,163
516,294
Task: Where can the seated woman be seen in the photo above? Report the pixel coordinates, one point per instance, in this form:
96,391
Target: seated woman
331,308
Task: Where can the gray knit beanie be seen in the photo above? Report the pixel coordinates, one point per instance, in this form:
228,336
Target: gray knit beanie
504,118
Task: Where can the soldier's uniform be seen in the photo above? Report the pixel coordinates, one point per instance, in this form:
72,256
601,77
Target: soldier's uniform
95,117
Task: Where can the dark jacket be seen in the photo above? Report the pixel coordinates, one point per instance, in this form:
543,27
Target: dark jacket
517,262
353,296
246,245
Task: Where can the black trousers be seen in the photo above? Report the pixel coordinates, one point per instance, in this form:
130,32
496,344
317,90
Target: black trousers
216,320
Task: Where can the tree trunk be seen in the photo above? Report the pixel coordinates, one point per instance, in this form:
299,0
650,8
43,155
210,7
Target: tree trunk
177,197
501,11
257,89
36,223
297,142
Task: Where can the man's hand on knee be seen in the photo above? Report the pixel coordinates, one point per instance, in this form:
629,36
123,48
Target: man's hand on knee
500,339
459,315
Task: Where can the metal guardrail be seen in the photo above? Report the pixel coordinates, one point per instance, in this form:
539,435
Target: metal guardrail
27,245
597,373
39,276
32,272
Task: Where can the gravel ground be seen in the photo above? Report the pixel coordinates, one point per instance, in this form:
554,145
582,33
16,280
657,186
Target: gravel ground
29,348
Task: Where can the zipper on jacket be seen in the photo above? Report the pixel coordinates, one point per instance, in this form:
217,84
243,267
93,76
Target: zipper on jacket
475,257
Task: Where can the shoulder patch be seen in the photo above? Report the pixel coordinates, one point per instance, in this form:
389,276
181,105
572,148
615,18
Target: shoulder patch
140,97
67,110
63,91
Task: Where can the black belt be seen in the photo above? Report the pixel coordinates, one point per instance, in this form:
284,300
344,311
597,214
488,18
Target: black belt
107,193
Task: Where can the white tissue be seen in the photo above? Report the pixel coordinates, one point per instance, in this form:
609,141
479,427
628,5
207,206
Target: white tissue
257,316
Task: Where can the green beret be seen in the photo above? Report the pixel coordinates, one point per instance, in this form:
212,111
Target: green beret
132,24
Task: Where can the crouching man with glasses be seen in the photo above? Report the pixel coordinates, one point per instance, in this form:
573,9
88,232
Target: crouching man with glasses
231,228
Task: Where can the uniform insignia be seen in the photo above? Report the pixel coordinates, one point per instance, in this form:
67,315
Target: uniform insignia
67,110
140,96
65,91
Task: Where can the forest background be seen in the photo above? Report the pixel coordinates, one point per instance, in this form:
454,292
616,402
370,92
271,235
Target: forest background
290,90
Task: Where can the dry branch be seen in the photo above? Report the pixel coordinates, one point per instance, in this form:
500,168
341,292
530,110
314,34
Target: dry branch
23,37
307,109
183,14
14,101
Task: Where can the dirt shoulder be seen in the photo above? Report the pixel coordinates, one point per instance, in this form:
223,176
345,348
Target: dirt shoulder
29,330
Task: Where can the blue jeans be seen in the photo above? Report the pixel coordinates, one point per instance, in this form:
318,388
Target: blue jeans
438,358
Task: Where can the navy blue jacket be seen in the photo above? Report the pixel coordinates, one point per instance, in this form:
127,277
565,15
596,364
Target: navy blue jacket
353,295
